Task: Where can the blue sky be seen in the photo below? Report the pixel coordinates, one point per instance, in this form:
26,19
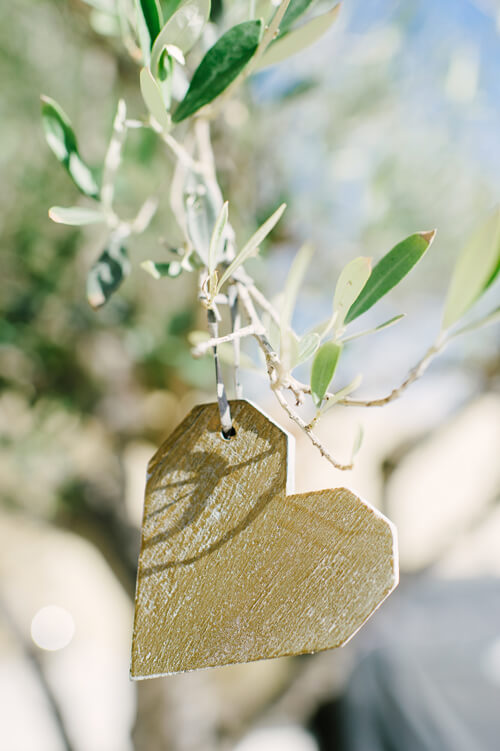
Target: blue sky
433,29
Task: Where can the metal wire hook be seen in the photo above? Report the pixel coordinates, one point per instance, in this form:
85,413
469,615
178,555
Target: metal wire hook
224,410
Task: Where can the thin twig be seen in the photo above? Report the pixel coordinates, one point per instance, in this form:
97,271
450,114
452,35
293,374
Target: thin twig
205,150
277,375
414,374
113,157
259,333
279,381
145,215
308,431
176,199
263,303
180,152
200,349
206,156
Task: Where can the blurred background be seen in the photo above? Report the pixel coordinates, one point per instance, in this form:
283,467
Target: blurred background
388,126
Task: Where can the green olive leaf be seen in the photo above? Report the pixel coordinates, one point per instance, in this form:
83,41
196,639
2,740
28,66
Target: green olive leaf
221,65
151,14
252,246
296,9
323,369
107,273
62,140
390,270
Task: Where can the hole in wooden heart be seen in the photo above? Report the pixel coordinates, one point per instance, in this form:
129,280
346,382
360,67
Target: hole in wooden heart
228,434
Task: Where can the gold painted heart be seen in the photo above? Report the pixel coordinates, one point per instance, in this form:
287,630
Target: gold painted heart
233,567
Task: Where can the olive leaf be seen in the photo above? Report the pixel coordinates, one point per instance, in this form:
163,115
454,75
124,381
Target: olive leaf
107,273
477,267
150,16
294,280
182,30
306,348
342,393
202,205
252,245
169,7
351,281
160,270
375,329
298,39
75,215
358,440
62,140
153,99
220,66
492,317
296,9
215,248
323,369
389,271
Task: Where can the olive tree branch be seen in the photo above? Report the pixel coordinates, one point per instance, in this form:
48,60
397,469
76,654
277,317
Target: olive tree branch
280,381
258,297
280,377
415,373
181,154
205,150
309,432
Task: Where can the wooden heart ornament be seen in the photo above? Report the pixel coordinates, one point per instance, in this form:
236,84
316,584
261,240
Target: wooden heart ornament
233,567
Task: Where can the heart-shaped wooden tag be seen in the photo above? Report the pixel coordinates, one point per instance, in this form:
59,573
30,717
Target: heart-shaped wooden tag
233,568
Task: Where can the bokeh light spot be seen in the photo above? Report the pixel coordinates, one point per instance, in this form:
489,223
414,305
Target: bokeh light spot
52,628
